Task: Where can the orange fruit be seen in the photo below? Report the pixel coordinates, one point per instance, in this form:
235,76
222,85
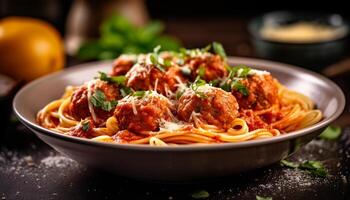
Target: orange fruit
29,48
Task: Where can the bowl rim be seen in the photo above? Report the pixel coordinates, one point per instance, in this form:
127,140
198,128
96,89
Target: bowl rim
255,34
192,147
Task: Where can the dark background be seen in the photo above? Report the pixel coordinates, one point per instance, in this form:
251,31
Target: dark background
55,11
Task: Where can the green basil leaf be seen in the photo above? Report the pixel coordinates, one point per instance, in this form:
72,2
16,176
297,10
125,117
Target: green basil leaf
240,88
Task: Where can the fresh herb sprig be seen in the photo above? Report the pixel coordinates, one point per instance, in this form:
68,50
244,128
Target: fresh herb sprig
239,71
233,80
118,80
85,125
215,46
98,99
195,86
314,167
219,49
162,65
140,93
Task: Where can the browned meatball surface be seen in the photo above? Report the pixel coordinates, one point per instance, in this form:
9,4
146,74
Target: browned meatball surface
138,114
144,76
123,64
213,65
263,92
213,105
79,106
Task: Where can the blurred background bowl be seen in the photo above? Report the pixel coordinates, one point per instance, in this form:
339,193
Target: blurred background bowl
315,54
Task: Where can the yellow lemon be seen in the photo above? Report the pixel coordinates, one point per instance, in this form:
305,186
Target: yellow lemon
29,48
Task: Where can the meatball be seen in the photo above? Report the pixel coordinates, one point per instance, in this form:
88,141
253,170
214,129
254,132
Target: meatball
262,92
213,66
214,105
123,64
79,106
144,76
138,114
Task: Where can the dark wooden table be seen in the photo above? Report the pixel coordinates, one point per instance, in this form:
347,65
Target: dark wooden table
30,169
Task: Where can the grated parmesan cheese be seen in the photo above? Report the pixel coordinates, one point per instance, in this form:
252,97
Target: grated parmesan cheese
91,107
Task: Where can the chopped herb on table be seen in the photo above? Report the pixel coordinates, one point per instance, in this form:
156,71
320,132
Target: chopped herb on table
314,167
200,194
263,198
331,133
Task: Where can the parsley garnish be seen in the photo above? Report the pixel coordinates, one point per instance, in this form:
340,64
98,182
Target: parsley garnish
230,84
193,52
98,99
214,83
167,62
240,87
119,80
201,71
219,49
154,57
200,194
196,84
140,93
239,71
233,80
85,125
263,198
314,167
331,133
125,91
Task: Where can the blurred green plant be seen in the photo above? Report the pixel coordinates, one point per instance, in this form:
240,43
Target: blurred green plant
118,36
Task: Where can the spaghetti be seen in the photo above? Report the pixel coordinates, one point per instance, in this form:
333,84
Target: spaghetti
175,99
